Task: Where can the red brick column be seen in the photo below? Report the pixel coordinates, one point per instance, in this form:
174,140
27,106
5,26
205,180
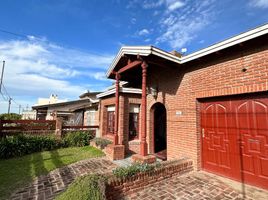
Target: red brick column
117,76
58,131
143,147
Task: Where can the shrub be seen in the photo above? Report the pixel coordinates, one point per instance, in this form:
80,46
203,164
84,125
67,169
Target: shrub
78,138
10,116
20,145
90,187
125,172
102,143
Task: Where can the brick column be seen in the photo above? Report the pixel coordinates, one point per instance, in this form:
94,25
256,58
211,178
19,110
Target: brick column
117,76
58,131
143,145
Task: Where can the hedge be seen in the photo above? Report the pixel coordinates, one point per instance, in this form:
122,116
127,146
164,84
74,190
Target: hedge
22,144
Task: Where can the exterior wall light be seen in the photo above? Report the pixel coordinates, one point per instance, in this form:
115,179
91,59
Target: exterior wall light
154,92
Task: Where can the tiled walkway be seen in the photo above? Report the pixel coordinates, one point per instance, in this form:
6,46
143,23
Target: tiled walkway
48,186
198,186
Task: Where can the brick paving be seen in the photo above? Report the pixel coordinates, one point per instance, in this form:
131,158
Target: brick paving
48,186
197,186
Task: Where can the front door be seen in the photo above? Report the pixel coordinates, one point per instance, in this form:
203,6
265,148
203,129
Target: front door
160,123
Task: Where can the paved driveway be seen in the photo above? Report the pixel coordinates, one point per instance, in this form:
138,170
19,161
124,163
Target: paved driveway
48,186
197,186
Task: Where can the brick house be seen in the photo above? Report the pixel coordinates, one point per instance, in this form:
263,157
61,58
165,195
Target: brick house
210,106
83,111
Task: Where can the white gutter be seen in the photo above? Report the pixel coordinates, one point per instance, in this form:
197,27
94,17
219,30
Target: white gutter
122,90
148,50
262,30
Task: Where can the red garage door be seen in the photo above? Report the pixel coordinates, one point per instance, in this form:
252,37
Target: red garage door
235,139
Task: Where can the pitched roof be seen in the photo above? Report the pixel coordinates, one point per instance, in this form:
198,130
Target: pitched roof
151,50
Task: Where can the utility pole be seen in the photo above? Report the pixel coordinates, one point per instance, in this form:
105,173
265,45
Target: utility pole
2,75
9,104
19,109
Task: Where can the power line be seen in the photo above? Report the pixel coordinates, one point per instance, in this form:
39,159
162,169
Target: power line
4,98
9,99
28,37
12,33
2,75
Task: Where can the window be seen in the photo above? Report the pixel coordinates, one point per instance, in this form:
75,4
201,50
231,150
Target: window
133,121
133,125
110,119
90,118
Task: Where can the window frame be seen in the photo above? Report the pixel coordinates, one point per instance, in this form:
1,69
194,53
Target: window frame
132,124
110,122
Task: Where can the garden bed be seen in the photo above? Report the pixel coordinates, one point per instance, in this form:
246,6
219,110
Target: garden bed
117,187
124,181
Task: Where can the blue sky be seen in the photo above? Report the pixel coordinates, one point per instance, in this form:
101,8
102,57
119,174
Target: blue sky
64,47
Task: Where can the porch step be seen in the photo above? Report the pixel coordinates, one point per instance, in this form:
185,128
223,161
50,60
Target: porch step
124,162
128,161
162,155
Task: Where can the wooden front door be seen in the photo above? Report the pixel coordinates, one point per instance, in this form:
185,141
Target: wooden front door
235,138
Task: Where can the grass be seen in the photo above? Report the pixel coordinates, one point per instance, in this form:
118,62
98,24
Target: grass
89,187
17,172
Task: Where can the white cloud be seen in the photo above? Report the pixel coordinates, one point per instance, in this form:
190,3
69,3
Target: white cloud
171,5
149,4
133,20
178,29
37,68
259,3
174,5
147,40
143,32
99,76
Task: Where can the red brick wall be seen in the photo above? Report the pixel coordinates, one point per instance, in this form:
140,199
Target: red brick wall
217,75
118,188
103,115
124,101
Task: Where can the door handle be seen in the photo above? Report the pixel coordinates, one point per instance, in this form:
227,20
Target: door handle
203,132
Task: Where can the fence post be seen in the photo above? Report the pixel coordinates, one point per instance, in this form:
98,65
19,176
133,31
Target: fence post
1,127
59,123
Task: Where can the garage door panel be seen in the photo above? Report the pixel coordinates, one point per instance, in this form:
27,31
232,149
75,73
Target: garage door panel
248,164
224,157
236,131
263,167
216,137
242,116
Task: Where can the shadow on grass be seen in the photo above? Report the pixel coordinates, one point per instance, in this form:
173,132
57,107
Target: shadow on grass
13,174
66,173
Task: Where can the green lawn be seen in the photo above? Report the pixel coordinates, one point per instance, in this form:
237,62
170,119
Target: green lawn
84,188
16,172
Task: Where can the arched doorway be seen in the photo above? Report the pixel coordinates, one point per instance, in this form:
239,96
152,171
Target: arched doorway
160,130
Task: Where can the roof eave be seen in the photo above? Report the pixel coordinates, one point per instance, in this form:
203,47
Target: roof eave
147,50
142,51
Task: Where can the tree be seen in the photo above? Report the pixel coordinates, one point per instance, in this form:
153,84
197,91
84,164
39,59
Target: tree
11,116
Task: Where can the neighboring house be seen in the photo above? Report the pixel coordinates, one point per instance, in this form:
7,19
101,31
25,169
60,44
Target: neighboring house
28,114
52,99
73,112
210,106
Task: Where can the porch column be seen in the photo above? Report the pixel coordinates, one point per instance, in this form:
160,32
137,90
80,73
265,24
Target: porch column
117,77
143,147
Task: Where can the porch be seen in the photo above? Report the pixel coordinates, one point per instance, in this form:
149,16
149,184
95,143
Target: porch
135,126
